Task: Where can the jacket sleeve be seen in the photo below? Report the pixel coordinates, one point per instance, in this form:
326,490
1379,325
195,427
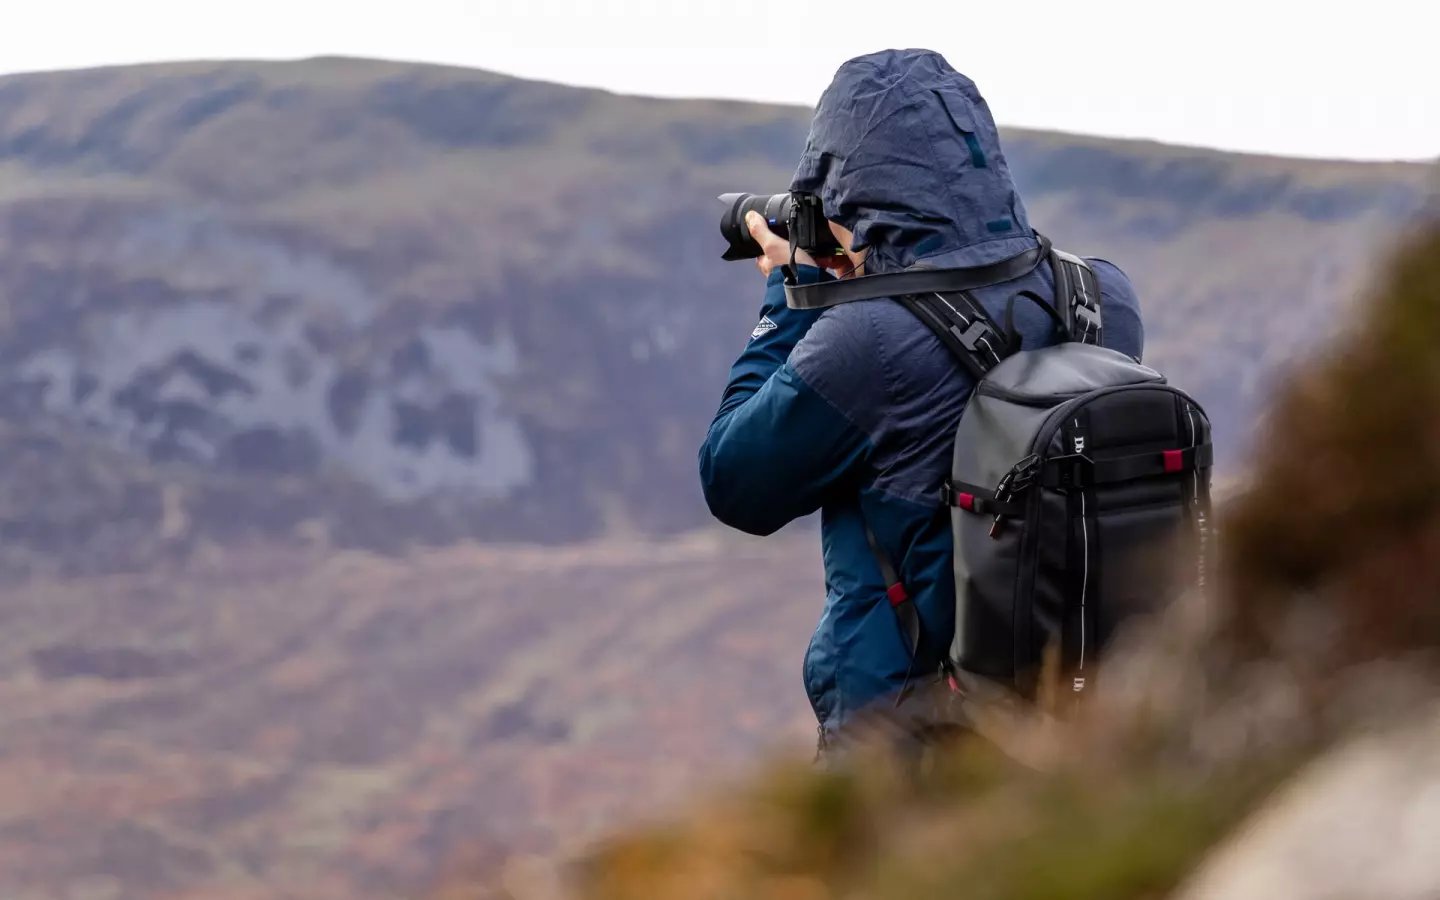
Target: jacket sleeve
776,446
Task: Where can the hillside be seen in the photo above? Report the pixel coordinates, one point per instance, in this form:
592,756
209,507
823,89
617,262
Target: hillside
265,723
367,304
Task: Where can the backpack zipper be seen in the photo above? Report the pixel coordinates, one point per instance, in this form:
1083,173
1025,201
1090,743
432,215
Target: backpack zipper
1015,481
1057,416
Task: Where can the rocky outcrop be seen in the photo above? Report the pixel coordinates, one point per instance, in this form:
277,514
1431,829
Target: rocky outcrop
1362,822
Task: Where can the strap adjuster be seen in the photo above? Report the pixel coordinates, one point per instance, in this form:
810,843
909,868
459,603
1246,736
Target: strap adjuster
951,496
966,500
1065,472
977,332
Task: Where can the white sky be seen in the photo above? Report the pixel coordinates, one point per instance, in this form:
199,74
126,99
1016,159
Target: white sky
1359,80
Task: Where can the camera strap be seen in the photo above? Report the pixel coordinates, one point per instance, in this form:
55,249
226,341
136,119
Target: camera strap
913,281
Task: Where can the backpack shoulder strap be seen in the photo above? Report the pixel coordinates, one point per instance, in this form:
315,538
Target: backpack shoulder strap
1077,296
963,326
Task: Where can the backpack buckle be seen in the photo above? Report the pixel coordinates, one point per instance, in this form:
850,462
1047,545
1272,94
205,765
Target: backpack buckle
1023,475
978,334
1089,315
972,336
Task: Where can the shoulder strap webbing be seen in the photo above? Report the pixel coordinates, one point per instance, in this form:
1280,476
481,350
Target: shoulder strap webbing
963,326
972,337
1077,296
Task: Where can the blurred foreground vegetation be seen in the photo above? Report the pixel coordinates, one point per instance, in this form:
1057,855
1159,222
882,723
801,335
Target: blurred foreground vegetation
1324,623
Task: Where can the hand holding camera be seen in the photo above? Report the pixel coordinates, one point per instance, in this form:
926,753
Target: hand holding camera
774,250
747,226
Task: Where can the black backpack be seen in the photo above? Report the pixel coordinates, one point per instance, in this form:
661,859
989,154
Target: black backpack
1077,473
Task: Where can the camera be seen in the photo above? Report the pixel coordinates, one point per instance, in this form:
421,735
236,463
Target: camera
797,217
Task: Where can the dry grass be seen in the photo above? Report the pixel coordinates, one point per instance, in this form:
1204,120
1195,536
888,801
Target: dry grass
1343,519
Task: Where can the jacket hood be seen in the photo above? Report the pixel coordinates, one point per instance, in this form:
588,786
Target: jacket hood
904,153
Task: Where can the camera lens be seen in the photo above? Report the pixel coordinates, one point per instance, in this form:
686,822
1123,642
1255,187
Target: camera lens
774,207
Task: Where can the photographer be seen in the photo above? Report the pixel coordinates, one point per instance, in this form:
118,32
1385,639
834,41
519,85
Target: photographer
852,410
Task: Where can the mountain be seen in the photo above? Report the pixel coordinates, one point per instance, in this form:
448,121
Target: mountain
365,304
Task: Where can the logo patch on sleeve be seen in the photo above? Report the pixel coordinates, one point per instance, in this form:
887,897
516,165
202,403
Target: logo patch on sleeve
764,326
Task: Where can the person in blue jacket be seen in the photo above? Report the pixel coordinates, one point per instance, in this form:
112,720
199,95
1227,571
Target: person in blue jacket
852,410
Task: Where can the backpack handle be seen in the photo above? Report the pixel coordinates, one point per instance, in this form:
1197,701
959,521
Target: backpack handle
1012,337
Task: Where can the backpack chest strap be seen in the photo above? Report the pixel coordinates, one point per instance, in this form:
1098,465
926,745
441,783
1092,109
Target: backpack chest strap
1080,471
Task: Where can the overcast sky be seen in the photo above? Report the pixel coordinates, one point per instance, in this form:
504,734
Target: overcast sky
1357,80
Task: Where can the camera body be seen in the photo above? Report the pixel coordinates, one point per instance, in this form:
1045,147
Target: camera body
797,217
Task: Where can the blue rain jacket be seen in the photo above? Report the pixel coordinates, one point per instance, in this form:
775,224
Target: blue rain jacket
852,410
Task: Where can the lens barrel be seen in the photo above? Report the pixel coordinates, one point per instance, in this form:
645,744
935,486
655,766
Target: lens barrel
774,207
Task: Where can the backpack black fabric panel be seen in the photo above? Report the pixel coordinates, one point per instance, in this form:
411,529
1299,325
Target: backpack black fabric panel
1083,558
